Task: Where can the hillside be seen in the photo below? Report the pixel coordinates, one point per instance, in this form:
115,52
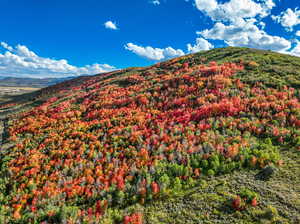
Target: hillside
211,137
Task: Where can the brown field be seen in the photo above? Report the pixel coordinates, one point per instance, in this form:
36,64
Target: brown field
9,93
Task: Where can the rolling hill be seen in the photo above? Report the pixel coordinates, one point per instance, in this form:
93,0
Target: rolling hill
211,137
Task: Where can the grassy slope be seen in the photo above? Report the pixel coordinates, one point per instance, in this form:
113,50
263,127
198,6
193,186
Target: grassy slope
210,202
274,69
279,197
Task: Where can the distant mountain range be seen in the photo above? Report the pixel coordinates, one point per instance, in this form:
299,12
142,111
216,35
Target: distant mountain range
31,82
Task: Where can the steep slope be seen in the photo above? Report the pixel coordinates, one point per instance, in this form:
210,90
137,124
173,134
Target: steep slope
193,130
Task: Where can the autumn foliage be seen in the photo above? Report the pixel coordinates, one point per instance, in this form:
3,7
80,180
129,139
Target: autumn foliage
116,140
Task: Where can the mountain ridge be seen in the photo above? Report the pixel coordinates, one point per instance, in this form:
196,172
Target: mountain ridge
235,54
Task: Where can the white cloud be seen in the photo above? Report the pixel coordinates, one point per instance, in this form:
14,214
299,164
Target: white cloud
206,5
5,45
155,2
158,54
234,9
298,33
296,50
269,4
110,25
238,23
19,61
155,54
288,19
262,25
245,34
201,45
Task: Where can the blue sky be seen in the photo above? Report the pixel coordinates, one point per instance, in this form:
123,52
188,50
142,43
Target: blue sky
60,38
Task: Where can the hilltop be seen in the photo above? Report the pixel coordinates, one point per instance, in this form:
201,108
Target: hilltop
211,137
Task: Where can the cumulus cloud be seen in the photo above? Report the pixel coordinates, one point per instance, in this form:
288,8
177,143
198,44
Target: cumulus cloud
207,6
234,9
19,61
201,45
110,25
268,4
298,33
158,54
245,34
238,23
296,50
155,54
155,2
262,25
5,45
288,19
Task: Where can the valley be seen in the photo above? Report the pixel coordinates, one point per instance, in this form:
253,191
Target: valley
8,93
